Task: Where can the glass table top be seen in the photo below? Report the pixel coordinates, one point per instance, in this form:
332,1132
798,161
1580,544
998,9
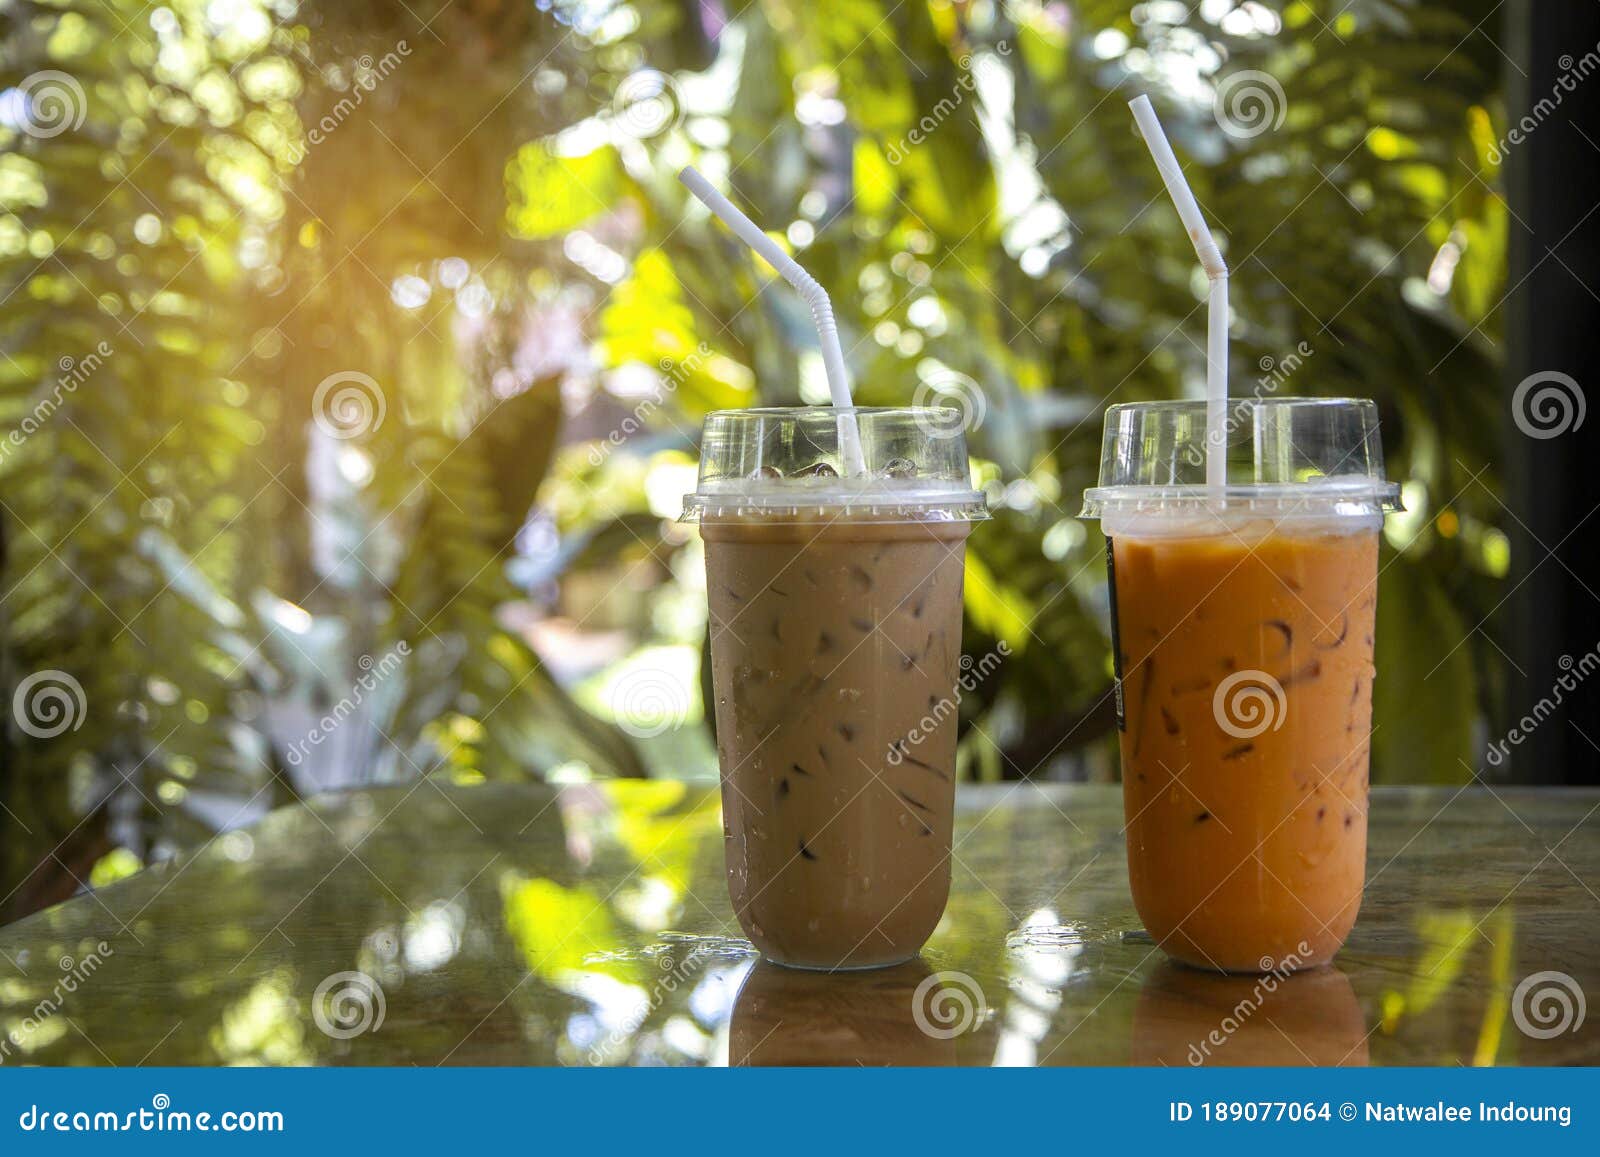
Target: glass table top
590,925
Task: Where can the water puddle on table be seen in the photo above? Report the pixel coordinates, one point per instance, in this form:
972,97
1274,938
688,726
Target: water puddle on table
680,946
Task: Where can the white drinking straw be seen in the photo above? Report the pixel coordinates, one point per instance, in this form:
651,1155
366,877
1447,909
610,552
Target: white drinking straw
1205,248
810,290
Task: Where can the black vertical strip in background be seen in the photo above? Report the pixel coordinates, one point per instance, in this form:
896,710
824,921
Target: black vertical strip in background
1553,324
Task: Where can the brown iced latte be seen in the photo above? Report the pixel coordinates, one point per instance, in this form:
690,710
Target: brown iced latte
835,622
832,643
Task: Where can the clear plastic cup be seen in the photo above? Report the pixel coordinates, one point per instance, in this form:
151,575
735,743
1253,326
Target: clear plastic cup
835,637
1242,635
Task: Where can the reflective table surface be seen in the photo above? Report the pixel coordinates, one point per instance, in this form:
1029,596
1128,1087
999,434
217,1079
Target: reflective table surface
589,925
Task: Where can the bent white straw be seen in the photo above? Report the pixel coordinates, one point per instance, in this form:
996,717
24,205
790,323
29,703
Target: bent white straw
1205,247
814,296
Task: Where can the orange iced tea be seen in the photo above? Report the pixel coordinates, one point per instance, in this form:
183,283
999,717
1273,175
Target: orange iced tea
1245,653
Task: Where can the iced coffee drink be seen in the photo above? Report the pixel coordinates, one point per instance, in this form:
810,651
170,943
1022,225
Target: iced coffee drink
1247,690
835,622
1244,630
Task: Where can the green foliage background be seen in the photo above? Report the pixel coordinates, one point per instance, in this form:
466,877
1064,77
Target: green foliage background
497,187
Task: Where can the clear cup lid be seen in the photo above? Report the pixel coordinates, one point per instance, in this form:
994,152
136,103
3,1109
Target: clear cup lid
1284,456
790,460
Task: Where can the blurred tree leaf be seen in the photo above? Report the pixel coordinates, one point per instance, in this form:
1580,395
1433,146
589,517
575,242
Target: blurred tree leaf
551,194
517,445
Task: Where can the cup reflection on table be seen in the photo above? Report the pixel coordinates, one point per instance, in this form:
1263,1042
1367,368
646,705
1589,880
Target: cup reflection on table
1188,1017
785,1016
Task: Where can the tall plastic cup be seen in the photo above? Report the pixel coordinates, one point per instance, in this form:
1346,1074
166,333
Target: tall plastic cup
1242,634
835,637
